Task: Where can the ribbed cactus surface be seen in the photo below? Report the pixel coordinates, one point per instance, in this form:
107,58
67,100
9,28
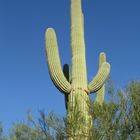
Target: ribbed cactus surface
76,89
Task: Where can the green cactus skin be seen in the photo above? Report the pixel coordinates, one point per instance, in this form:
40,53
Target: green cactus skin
101,92
77,89
54,64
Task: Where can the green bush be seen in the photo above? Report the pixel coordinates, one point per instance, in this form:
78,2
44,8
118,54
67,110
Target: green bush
117,119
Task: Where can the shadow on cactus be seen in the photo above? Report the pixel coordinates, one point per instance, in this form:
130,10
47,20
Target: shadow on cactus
75,86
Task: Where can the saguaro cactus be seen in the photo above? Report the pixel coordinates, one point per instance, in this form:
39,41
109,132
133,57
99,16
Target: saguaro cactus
76,90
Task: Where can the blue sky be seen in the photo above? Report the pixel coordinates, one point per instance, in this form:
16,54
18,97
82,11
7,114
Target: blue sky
110,26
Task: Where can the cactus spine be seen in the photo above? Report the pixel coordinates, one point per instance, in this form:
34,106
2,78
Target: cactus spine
77,90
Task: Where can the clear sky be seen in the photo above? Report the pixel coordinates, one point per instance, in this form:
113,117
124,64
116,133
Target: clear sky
110,26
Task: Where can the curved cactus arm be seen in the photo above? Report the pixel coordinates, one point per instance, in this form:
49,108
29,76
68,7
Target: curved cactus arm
100,78
101,92
54,64
67,74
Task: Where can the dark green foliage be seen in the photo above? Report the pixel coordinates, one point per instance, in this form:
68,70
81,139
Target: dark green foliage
117,119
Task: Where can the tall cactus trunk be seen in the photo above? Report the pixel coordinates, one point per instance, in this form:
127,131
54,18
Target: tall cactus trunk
77,90
78,106
79,74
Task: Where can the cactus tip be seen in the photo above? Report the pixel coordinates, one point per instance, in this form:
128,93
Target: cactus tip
49,31
102,54
107,65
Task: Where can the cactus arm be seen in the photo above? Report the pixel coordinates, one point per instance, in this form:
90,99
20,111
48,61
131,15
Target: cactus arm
54,64
100,78
67,74
101,92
